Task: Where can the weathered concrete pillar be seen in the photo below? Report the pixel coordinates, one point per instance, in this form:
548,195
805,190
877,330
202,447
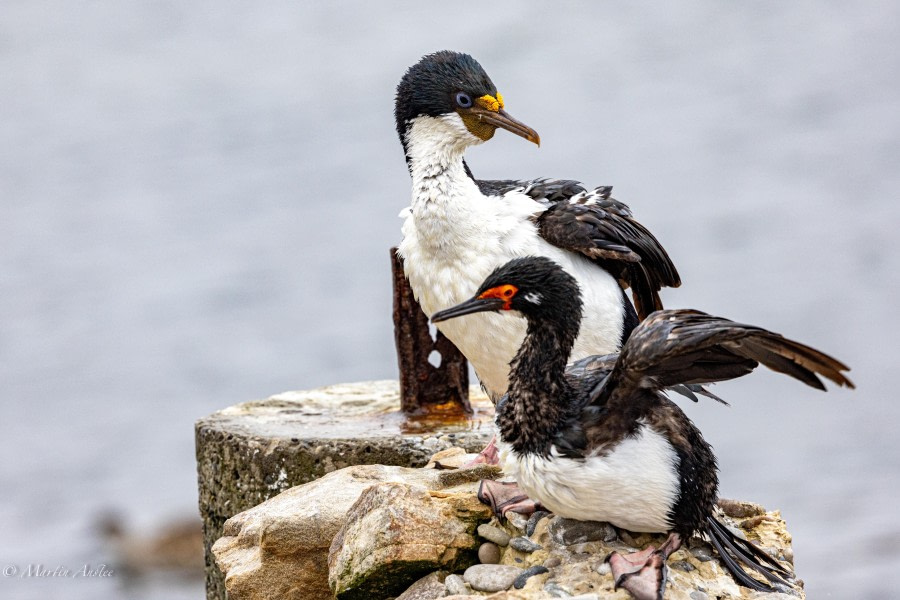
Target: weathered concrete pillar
252,451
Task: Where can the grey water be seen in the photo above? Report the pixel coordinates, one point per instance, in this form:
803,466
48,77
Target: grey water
197,201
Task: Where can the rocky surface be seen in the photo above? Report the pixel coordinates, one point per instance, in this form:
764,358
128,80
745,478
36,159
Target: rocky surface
397,532
379,533
253,451
570,562
280,548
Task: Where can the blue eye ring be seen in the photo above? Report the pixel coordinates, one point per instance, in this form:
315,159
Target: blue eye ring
463,100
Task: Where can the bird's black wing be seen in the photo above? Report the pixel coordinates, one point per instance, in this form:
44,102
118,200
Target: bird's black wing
673,347
603,229
545,191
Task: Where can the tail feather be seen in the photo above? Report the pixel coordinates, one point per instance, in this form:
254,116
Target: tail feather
736,552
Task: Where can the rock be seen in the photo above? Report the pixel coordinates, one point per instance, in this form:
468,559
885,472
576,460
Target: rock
491,578
522,579
518,521
682,565
456,585
488,553
571,531
429,587
533,521
740,509
279,549
556,591
493,534
580,569
553,561
396,532
253,451
451,458
703,552
523,544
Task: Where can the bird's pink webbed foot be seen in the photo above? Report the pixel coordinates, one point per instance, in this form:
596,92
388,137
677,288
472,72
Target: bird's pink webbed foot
489,456
504,497
643,573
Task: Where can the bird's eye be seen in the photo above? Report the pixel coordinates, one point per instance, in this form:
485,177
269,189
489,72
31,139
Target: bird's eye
464,100
507,293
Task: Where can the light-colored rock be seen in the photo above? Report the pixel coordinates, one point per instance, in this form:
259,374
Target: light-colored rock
456,585
396,532
429,587
491,578
495,534
279,549
451,458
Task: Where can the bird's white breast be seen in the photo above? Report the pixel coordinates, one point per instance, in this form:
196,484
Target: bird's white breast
633,487
454,236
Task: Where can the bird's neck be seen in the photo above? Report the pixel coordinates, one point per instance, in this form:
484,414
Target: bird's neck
540,395
434,149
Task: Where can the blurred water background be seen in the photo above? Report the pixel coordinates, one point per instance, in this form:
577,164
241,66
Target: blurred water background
197,200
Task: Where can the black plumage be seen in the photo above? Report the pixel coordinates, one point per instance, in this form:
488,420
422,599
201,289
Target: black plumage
584,412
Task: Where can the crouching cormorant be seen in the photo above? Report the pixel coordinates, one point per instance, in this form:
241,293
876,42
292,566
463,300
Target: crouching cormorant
601,441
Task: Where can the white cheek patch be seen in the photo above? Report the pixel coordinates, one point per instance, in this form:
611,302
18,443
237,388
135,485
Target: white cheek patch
533,297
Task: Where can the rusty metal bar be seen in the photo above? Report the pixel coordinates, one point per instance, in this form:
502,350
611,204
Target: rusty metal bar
423,387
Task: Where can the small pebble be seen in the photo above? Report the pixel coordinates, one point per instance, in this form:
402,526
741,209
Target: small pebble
491,578
488,553
556,590
533,521
456,585
572,531
789,555
697,595
523,544
493,534
517,520
703,553
553,561
604,568
520,581
682,565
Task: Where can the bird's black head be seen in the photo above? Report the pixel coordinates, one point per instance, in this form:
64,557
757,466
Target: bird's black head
453,84
535,286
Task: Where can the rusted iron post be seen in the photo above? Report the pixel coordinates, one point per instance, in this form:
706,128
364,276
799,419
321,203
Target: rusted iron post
424,387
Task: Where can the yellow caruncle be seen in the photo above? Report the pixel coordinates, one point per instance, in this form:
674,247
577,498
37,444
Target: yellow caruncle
490,103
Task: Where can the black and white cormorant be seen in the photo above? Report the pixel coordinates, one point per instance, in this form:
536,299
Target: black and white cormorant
458,229
601,441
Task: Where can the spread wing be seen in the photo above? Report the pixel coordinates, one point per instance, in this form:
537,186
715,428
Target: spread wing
673,347
603,229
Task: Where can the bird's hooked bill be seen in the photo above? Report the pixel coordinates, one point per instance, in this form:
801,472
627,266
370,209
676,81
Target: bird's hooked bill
502,119
468,307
